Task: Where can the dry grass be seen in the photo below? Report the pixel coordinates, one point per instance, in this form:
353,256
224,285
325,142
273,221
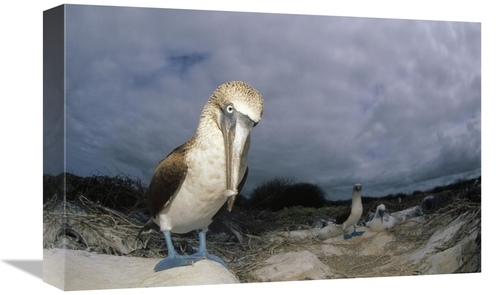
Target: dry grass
242,238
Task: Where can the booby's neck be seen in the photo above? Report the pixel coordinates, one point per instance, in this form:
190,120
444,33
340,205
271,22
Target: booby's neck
356,199
208,129
380,212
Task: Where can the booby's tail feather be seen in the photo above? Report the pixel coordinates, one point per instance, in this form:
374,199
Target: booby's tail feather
149,225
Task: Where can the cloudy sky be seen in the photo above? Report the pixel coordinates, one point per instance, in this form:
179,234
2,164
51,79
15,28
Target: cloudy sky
392,104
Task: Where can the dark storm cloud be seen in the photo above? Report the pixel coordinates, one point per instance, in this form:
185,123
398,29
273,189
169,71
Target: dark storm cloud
393,104
53,91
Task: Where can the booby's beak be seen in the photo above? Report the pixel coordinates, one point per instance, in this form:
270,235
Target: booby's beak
236,128
381,213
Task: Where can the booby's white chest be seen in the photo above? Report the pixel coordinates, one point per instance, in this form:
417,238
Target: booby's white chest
377,225
356,212
387,222
203,191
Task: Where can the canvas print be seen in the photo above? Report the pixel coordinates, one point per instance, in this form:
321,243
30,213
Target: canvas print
196,147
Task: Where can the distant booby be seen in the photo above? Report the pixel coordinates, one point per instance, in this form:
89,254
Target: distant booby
195,180
381,221
351,216
429,204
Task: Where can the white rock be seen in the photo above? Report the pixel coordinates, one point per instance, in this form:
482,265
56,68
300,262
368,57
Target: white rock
377,243
331,250
292,266
450,260
81,270
406,214
330,231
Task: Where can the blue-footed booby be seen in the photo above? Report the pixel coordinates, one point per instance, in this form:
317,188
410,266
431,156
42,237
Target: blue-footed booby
194,181
380,221
350,217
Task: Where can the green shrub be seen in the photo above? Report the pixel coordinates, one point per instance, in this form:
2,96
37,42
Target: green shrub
279,193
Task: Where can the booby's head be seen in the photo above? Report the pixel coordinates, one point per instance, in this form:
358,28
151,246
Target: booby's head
356,188
236,107
380,212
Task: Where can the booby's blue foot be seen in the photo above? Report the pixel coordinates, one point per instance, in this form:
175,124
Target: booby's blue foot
216,259
203,253
185,260
357,233
347,236
175,260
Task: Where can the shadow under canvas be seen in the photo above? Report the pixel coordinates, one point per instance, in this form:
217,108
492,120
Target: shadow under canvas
33,267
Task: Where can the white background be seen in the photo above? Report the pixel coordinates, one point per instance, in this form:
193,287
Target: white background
21,140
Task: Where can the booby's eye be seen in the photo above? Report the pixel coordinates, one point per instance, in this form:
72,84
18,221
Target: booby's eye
229,109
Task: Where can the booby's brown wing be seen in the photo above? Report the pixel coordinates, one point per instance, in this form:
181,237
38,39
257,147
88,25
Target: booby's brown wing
342,216
166,180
